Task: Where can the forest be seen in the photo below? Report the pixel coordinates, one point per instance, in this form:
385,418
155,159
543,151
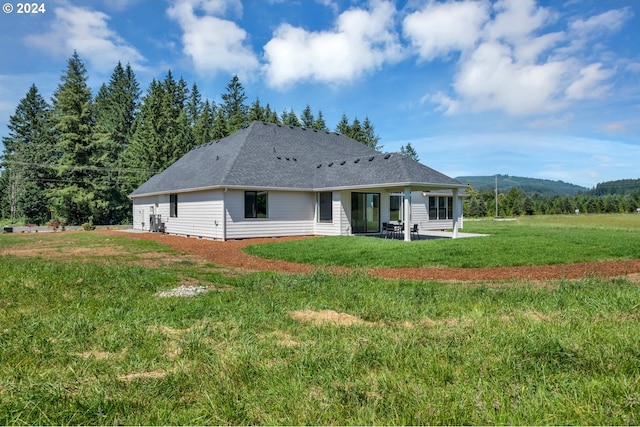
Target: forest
75,159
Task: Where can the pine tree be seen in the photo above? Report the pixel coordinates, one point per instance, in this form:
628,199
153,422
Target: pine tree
370,138
319,123
409,151
343,126
233,106
307,117
271,116
203,129
256,111
74,123
289,118
162,130
116,106
29,153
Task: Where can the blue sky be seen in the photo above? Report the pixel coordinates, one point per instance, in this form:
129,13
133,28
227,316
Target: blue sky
543,89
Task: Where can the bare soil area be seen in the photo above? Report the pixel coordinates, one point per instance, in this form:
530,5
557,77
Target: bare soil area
230,254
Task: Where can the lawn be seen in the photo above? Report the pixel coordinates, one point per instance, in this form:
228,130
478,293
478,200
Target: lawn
85,338
538,240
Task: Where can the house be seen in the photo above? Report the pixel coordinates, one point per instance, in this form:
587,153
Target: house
268,180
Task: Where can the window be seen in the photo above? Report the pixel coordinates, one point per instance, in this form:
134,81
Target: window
395,202
173,205
440,208
255,204
325,208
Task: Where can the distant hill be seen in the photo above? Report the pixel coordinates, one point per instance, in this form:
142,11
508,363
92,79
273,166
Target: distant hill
620,187
544,187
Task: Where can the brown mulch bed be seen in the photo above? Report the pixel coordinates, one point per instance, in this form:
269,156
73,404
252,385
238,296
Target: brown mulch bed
230,254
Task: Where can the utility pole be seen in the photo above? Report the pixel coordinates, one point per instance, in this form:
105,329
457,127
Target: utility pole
496,196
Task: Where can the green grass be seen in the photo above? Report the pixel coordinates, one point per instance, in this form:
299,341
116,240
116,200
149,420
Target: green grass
87,341
526,241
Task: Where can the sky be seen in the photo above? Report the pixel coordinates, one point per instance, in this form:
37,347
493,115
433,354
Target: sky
541,89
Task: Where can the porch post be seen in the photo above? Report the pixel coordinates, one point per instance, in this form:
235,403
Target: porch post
407,214
456,212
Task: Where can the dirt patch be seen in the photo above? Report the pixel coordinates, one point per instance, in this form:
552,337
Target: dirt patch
142,375
329,317
230,255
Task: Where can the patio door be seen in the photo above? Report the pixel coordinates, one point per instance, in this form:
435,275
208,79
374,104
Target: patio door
365,212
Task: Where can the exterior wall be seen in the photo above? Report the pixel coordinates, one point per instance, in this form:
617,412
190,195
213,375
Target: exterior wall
420,214
290,214
200,214
334,227
143,207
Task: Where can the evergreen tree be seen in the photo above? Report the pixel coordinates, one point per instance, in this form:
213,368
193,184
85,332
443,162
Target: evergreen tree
409,151
220,125
370,138
74,122
319,123
28,157
162,130
116,106
257,112
343,125
233,106
271,116
203,129
307,117
289,118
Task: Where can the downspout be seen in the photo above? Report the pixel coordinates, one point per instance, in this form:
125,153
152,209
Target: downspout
224,215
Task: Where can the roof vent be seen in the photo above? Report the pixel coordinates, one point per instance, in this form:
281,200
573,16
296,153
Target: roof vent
343,162
386,156
279,157
287,158
290,127
294,159
356,160
319,166
330,164
217,157
371,158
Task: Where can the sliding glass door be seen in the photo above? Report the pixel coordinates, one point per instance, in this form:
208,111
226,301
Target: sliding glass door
365,212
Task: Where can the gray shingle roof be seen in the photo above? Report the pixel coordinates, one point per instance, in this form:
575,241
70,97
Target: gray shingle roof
263,155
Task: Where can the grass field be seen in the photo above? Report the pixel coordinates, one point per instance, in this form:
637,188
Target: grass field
537,240
85,339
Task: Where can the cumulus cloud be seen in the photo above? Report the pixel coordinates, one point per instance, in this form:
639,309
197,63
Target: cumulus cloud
362,40
213,43
87,32
440,28
507,59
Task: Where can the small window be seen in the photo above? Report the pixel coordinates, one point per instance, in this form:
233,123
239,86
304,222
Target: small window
325,208
173,205
255,204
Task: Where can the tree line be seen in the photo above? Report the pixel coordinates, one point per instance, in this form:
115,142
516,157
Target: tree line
515,203
75,159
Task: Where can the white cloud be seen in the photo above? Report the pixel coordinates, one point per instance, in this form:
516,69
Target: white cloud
361,41
214,44
87,32
589,85
440,28
508,60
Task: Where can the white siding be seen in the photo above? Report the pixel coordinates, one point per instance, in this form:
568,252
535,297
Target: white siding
199,214
332,228
290,214
420,214
143,207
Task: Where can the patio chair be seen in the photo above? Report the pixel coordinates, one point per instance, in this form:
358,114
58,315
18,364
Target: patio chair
414,231
383,230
